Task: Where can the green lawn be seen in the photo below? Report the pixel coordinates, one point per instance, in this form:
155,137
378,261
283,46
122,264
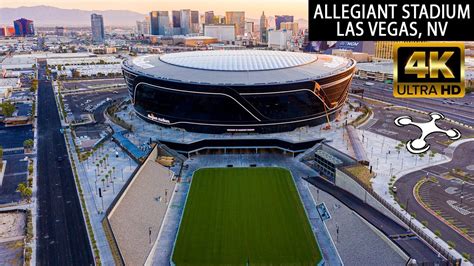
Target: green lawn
239,215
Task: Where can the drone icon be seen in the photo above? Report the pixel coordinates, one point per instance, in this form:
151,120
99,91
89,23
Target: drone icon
419,145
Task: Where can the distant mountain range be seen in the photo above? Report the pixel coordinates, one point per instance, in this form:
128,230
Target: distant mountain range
53,16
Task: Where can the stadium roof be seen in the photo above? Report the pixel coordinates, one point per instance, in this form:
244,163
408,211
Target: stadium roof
243,60
238,67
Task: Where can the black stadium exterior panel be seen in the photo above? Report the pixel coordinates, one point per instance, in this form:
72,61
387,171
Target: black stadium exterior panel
257,97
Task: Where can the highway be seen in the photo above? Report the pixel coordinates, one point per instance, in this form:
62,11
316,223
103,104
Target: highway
62,235
459,109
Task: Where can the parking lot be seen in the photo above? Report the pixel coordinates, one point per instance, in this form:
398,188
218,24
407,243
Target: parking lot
13,137
82,106
444,198
15,173
77,105
383,124
92,84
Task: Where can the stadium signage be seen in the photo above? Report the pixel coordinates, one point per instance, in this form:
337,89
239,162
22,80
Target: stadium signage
240,129
395,20
159,119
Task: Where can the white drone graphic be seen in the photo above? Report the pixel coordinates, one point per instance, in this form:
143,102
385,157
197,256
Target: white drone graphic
420,145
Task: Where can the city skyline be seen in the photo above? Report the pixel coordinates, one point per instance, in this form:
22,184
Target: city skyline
297,8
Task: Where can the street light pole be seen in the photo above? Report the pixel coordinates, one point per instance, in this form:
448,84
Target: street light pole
149,235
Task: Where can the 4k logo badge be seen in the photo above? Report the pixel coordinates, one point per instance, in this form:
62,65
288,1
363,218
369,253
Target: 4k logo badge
428,70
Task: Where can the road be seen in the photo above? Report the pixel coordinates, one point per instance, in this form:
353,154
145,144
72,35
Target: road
462,158
460,110
62,235
413,246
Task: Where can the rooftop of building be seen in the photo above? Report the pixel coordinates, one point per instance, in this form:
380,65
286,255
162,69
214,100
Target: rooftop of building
239,67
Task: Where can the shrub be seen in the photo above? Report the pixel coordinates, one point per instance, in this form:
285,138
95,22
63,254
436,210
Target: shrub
466,255
451,244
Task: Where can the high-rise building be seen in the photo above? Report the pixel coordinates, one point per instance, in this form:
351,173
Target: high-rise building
238,19
219,19
147,25
263,28
59,31
185,21
9,31
143,26
293,26
283,18
209,17
97,26
176,22
222,32
24,27
159,23
279,39
249,27
195,21
384,50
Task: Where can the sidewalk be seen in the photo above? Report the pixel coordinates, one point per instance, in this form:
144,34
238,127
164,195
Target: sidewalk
387,162
90,183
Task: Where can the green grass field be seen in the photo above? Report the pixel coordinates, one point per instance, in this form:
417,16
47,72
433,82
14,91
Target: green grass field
235,216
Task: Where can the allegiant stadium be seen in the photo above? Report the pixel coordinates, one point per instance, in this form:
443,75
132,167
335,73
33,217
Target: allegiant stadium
222,91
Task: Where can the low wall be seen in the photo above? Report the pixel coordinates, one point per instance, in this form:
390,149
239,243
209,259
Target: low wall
347,183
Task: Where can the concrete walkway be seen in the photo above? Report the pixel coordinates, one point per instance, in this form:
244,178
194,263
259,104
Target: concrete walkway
88,178
355,238
387,162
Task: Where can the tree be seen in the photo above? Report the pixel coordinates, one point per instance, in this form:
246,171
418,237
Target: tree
28,144
25,191
34,85
421,155
21,187
7,108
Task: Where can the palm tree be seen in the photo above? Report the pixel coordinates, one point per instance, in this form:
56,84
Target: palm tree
432,155
113,170
21,187
107,178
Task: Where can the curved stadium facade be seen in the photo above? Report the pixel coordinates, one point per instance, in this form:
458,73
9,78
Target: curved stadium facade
238,91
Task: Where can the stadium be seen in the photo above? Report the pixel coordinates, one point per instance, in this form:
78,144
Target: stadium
239,90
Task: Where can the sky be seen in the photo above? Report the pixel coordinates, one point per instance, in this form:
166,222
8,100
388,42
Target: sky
252,8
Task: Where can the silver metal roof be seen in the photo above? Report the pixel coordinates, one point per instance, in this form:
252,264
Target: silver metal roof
238,67
238,60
